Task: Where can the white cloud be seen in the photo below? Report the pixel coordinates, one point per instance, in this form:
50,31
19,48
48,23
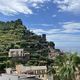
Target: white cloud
45,25
54,15
12,7
41,31
67,27
63,37
71,27
38,31
68,5
58,35
66,33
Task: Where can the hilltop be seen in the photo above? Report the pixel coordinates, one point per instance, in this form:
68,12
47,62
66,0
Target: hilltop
13,34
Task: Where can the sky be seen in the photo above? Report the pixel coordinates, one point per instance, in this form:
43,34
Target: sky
58,19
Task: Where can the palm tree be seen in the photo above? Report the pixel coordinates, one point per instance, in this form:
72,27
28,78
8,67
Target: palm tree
66,66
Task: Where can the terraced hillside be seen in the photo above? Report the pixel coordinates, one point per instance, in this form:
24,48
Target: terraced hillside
14,34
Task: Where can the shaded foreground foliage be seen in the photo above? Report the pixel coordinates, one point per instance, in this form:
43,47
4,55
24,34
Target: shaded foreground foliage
65,67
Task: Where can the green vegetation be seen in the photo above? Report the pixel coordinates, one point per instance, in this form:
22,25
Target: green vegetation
65,67
13,34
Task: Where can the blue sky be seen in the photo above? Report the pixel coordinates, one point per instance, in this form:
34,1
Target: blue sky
58,19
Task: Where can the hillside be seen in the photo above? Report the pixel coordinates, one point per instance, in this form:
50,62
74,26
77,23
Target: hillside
13,34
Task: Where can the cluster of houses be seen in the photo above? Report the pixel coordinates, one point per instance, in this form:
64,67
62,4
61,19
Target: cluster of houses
23,72
19,53
26,72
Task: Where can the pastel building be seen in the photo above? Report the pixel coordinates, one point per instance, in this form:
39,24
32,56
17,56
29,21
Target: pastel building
16,52
17,77
38,71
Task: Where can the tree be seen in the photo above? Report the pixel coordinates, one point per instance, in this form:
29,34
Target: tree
52,44
18,22
65,66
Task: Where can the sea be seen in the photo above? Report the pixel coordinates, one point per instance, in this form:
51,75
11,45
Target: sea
71,49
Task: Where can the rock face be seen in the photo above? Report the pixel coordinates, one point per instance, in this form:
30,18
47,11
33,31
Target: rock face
54,52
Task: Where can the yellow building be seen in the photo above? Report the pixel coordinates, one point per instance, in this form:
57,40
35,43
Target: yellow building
38,71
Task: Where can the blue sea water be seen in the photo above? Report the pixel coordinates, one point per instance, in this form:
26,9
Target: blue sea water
69,48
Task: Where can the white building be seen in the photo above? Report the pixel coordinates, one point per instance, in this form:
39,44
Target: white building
9,77
17,77
16,52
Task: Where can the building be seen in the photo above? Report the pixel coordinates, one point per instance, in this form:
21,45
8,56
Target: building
16,52
18,55
11,74
9,77
17,77
38,71
44,37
